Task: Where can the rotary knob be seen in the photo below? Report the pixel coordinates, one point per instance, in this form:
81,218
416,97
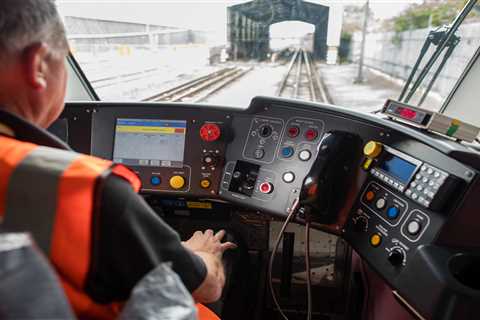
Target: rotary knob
210,132
396,257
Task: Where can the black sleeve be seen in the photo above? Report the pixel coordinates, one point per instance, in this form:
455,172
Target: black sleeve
129,240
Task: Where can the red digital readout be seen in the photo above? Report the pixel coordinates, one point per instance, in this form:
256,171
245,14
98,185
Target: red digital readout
407,113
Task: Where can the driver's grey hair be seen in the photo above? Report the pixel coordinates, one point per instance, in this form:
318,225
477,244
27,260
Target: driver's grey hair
27,22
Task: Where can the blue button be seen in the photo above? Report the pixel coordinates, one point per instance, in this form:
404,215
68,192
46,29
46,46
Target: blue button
287,152
392,212
155,181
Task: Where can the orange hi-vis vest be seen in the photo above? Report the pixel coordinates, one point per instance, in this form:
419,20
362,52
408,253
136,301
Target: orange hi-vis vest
51,194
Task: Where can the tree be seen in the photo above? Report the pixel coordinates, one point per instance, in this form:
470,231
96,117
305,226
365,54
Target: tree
431,13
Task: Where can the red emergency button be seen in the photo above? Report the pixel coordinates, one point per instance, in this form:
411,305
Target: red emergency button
266,187
210,132
293,131
311,134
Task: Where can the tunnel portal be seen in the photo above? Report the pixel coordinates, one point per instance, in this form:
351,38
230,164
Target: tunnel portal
248,25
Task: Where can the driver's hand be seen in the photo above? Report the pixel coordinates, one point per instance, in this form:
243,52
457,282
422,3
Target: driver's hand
209,242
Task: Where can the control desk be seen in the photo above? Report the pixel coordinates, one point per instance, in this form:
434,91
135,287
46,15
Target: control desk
401,189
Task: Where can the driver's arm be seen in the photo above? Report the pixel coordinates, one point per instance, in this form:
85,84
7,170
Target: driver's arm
129,240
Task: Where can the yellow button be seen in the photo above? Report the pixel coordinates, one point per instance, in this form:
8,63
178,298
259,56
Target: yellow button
177,182
372,149
205,183
375,240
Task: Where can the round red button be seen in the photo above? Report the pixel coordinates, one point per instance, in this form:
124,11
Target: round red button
293,131
210,132
311,134
266,187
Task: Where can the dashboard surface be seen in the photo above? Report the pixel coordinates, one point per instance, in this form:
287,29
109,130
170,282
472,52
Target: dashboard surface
403,190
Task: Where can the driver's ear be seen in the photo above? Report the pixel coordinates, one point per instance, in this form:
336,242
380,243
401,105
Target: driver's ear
36,65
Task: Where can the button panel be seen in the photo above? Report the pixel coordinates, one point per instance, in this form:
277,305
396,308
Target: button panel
301,136
426,184
386,205
263,138
386,179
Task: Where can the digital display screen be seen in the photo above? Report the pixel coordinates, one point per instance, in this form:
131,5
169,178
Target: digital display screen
398,167
145,142
408,113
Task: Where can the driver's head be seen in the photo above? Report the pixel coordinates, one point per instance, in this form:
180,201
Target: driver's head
33,47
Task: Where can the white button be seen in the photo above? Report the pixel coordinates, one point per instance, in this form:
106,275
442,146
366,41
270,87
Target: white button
436,174
421,199
431,183
425,180
401,188
414,196
408,192
426,191
419,188
395,184
305,155
431,195
424,167
288,177
430,171
380,204
413,184
418,176
413,227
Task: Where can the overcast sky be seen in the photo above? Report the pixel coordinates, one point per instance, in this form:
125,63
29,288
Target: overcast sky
201,14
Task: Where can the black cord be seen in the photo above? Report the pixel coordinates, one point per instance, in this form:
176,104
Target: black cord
308,271
272,257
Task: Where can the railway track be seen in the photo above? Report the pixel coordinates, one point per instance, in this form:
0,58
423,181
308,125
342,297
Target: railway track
200,88
302,81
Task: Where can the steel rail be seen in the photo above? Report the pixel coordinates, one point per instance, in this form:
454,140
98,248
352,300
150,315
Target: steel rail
298,76
311,82
169,93
283,84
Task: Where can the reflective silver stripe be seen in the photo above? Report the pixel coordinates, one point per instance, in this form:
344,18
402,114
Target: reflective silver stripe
32,192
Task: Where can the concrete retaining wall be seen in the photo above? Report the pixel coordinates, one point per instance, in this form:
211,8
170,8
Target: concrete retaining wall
395,55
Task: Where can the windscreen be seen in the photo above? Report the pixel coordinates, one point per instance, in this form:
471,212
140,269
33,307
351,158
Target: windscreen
227,52
146,142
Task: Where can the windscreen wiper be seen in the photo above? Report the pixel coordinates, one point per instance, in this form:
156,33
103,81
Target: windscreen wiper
443,37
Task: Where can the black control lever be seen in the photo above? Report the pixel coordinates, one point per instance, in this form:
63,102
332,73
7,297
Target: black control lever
325,187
